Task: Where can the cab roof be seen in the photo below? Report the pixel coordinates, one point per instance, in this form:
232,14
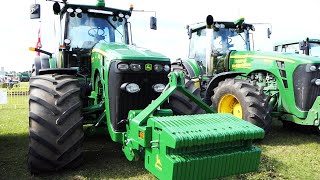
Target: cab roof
227,24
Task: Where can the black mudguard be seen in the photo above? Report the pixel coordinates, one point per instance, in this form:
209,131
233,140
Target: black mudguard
185,65
68,71
214,82
41,62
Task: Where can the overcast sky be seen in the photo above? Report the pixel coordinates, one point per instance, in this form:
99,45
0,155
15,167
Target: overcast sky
289,19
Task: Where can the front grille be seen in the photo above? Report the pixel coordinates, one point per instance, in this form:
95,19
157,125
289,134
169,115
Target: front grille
121,101
305,90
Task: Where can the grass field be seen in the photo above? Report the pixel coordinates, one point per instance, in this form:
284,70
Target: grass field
286,155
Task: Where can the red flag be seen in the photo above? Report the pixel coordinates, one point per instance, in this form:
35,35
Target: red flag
39,45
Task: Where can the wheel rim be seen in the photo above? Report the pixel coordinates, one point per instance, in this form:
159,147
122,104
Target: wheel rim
230,104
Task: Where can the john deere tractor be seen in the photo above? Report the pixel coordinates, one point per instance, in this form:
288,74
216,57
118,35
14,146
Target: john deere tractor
308,46
99,79
252,85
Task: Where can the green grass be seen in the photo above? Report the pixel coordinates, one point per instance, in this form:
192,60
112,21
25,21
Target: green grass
286,155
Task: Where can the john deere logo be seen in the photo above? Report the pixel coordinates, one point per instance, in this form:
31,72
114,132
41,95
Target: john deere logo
148,67
158,164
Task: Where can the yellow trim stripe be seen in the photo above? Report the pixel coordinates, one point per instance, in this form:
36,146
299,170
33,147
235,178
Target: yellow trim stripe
99,51
262,57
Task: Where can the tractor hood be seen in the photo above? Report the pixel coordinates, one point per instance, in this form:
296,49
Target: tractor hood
286,57
127,52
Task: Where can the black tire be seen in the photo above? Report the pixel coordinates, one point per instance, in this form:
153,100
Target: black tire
178,102
253,103
55,123
182,105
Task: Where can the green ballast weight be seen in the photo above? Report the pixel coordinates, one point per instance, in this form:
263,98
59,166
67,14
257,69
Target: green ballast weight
203,146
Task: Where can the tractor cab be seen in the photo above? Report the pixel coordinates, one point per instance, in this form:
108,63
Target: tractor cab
78,29
83,27
217,39
212,42
310,47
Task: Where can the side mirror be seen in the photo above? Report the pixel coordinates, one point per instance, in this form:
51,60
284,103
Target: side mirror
302,45
35,11
189,31
153,23
269,32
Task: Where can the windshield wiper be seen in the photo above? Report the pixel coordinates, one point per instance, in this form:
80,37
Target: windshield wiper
114,27
241,37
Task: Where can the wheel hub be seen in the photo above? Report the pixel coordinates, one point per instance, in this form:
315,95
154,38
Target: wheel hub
230,104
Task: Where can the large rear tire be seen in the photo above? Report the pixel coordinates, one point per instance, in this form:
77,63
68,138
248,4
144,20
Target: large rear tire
243,100
55,123
182,105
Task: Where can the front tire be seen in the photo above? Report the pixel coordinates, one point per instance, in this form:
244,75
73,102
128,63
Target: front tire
55,123
178,102
244,101
182,105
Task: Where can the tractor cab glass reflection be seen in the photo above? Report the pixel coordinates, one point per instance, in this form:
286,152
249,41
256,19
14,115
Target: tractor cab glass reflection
225,39
88,30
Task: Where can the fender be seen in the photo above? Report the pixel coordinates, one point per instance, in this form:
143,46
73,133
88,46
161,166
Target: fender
37,64
214,82
41,62
67,71
191,65
191,71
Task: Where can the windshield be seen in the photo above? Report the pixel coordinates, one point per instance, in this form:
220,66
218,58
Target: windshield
88,30
223,39
228,39
291,48
314,49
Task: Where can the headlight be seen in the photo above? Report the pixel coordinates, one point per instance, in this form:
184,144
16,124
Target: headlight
70,10
130,87
313,68
135,67
67,41
123,66
158,87
158,67
78,10
317,82
166,68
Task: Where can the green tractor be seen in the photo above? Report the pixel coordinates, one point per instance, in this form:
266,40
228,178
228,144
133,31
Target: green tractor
252,85
99,81
310,47
24,76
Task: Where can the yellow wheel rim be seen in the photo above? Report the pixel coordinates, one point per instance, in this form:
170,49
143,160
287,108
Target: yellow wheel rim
230,104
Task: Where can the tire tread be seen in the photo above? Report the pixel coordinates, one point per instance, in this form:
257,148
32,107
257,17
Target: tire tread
54,146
